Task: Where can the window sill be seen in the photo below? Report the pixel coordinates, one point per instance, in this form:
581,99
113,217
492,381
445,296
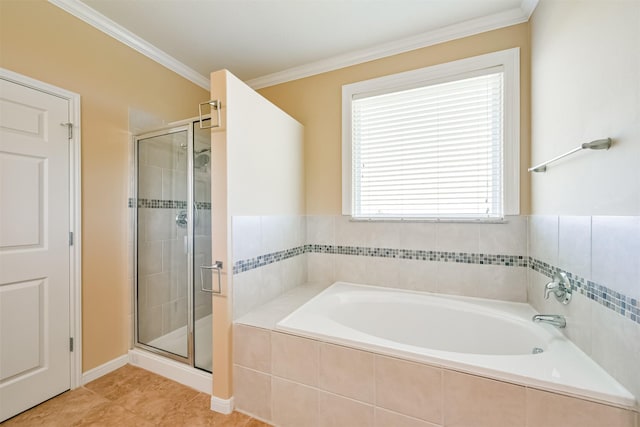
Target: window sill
434,220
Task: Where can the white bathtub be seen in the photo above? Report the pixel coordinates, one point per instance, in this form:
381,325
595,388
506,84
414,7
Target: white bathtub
486,337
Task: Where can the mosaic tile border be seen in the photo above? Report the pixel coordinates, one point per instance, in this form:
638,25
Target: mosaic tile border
422,255
457,257
165,204
621,304
262,260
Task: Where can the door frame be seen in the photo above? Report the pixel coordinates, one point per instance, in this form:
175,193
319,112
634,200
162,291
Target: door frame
75,214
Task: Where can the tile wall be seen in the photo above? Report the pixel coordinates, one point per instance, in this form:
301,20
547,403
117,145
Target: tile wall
293,381
275,253
268,258
602,256
502,261
483,260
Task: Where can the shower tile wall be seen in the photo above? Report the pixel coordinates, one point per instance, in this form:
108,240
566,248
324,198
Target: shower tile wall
602,254
162,260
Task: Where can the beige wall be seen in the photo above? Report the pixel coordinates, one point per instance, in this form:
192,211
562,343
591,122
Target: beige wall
41,41
316,103
586,86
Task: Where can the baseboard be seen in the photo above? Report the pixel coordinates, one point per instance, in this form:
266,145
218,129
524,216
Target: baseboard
249,414
224,406
176,371
104,369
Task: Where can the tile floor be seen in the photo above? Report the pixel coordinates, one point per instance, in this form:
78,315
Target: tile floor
130,396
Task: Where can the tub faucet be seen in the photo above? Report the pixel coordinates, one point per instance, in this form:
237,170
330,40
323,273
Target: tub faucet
553,319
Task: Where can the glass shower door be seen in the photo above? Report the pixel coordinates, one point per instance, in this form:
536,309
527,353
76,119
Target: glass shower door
202,248
163,215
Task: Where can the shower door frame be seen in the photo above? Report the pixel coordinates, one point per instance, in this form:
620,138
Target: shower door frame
174,128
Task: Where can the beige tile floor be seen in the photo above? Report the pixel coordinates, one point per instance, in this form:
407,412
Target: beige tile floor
130,396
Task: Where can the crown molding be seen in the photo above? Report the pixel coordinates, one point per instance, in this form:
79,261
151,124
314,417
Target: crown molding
118,32
528,6
441,35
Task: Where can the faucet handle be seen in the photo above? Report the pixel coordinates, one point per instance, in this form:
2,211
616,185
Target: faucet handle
551,287
560,286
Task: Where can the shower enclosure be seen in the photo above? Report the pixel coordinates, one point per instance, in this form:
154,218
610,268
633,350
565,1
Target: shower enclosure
172,242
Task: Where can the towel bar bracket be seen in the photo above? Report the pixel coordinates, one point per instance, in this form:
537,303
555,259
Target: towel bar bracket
598,144
214,104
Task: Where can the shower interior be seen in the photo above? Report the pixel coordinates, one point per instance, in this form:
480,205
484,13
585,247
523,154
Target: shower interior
173,314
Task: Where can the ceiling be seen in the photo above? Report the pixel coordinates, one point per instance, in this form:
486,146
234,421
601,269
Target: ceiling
267,41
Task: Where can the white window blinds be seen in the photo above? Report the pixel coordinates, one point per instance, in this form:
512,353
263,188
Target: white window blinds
430,152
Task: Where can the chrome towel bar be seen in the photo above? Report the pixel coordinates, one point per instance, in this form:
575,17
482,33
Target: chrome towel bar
217,267
599,144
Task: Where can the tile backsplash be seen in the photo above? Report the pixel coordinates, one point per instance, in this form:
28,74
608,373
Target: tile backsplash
485,260
601,254
267,258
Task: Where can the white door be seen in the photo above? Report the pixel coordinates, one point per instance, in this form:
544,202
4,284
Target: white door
34,248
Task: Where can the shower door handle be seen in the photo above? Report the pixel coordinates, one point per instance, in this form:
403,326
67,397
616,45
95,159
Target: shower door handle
217,267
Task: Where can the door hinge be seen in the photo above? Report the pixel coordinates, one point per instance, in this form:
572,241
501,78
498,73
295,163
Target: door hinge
69,129
71,344
71,238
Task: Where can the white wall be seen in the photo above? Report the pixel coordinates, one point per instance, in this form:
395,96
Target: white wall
585,86
264,155
265,182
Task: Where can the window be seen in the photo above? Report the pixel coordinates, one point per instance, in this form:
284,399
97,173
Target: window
437,143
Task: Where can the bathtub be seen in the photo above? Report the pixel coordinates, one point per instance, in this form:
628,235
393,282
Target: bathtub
495,339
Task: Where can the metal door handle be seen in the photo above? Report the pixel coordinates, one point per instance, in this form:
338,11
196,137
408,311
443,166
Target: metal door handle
217,267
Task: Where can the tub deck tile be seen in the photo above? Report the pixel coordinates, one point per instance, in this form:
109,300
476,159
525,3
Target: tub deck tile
409,388
347,372
555,410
